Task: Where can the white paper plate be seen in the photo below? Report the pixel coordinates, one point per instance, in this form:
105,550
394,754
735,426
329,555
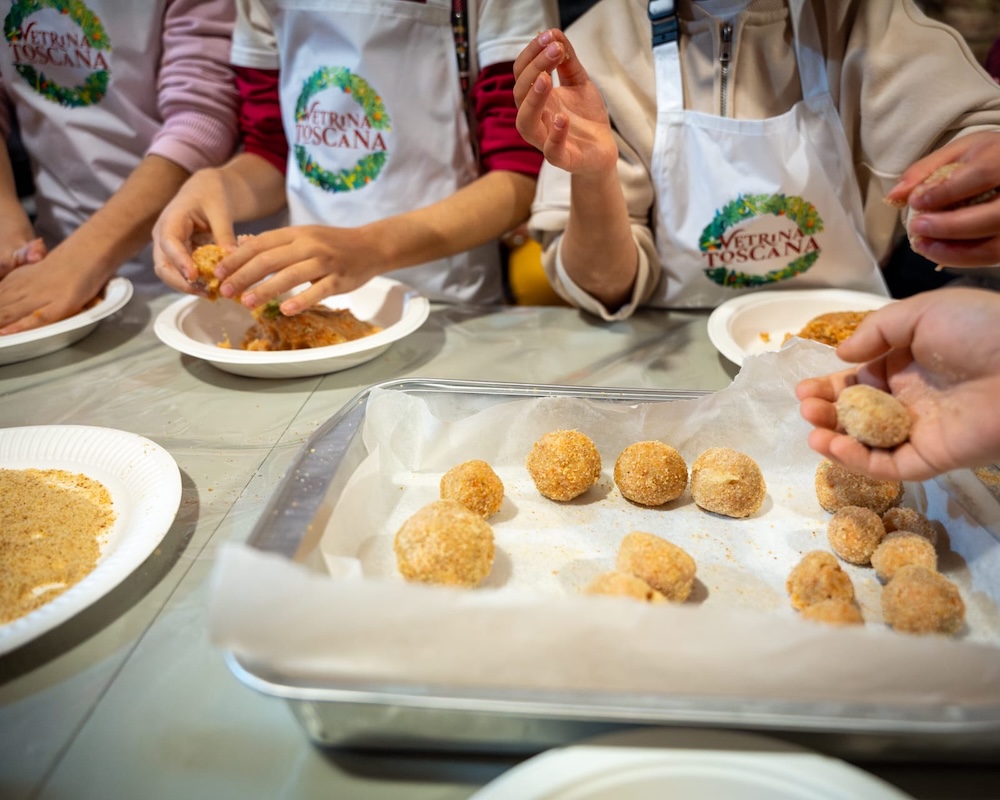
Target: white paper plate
755,323
194,326
145,487
49,338
658,764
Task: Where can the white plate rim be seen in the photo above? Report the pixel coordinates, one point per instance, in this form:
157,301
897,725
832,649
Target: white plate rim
147,490
557,774
415,313
723,314
117,293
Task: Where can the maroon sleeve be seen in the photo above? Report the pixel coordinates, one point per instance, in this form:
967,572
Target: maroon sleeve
500,145
993,59
260,115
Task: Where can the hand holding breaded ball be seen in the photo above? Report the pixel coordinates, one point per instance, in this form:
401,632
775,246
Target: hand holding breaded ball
564,464
651,473
475,485
816,578
727,482
837,487
873,417
854,533
919,600
623,584
663,565
445,543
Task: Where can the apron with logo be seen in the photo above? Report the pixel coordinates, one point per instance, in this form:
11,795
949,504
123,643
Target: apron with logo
373,109
754,204
83,84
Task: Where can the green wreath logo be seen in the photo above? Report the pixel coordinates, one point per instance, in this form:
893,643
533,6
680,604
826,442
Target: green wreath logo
744,207
96,84
368,167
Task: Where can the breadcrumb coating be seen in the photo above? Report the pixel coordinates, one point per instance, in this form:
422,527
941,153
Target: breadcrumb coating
663,565
837,487
873,417
900,549
475,485
818,577
901,518
651,473
622,584
564,464
854,533
445,543
728,482
921,601
834,612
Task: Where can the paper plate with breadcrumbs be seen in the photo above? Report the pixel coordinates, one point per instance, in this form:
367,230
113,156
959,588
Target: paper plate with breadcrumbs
143,487
755,323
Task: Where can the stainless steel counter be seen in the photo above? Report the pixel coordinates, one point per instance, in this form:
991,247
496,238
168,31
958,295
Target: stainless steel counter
129,699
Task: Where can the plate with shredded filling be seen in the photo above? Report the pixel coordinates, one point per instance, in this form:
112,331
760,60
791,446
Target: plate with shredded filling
756,323
47,339
341,332
81,508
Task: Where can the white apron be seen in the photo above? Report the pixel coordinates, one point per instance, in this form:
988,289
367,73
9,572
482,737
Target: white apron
373,110
84,86
755,204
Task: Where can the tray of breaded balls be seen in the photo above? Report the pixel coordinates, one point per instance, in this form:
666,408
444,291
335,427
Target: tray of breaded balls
507,567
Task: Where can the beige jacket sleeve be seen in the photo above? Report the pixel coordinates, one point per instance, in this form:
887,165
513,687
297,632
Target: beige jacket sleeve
903,84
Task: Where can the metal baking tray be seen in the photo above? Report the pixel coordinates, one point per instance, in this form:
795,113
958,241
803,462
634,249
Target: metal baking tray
441,718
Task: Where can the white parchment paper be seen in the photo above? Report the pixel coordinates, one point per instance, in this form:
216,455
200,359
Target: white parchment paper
529,626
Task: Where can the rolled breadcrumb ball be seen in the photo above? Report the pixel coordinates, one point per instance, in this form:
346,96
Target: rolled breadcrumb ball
651,473
919,600
564,464
837,487
901,518
663,565
854,533
445,543
818,577
728,482
900,549
834,612
873,417
623,584
475,485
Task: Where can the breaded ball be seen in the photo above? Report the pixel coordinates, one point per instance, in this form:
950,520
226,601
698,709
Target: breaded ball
651,473
205,258
564,464
854,533
873,417
837,487
832,327
920,600
901,518
817,578
834,612
662,564
727,482
622,584
900,549
475,485
445,543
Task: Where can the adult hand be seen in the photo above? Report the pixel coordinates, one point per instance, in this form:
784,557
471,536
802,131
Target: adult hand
332,260
199,213
939,354
943,227
568,123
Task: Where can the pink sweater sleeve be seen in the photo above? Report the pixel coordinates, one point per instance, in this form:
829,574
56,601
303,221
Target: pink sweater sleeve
197,90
